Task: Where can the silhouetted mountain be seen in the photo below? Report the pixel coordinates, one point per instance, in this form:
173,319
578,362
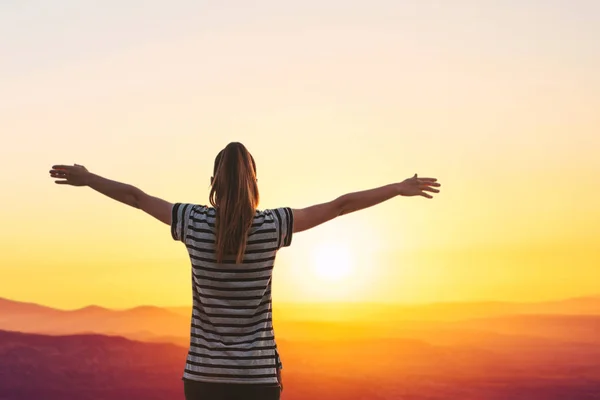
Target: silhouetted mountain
149,322
94,367
11,307
451,311
581,328
345,321
87,367
25,317
180,310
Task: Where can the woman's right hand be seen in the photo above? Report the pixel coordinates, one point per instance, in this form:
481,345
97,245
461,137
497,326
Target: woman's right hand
74,175
416,186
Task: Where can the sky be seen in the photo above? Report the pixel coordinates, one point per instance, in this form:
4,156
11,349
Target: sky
498,100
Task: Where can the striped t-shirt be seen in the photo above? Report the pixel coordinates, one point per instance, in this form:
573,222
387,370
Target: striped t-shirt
232,338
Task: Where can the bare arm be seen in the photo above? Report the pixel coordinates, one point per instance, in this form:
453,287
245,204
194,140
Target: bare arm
309,217
78,175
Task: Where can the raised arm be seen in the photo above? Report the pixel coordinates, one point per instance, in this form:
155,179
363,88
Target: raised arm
78,175
309,217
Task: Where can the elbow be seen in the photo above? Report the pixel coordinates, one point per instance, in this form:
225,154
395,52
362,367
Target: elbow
134,203
134,198
341,206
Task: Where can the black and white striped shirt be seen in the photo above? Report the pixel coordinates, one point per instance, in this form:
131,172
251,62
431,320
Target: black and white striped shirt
232,338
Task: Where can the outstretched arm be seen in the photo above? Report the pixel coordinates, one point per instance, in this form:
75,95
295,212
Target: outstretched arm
309,217
78,175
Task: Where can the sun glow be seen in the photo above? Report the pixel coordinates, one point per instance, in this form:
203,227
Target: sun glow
332,262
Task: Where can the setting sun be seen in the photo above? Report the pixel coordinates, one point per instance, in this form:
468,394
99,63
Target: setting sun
332,262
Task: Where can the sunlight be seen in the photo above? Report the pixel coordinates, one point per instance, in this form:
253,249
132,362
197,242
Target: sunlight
332,262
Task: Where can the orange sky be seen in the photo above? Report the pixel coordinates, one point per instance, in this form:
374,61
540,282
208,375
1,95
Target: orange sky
501,109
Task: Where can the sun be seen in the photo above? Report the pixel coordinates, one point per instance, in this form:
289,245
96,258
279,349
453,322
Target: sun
332,262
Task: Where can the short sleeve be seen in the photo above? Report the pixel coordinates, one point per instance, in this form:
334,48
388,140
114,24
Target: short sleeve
180,218
284,221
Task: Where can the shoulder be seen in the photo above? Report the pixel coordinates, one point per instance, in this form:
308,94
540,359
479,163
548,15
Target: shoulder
269,212
192,209
280,214
202,209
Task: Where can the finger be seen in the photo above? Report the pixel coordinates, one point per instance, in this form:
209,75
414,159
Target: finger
436,184
426,195
62,182
63,167
428,189
58,173
428,179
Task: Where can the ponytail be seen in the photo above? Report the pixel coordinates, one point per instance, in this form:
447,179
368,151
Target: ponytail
234,195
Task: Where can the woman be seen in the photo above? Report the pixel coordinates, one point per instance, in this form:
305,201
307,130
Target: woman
232,247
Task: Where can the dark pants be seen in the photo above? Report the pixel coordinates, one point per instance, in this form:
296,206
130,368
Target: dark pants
228,391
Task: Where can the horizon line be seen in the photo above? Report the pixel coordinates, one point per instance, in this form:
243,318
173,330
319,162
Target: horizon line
323,303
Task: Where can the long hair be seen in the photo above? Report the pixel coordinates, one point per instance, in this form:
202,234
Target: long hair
234,195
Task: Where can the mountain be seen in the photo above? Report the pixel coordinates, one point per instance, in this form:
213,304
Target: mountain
323,321
148,320
11,307
186,311
95,367
581,328
87,367
451,311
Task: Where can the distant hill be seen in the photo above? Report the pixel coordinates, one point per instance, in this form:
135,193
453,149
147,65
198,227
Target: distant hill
11,307
581,328
180,310
322,321
454,311
95,367
139,321
87,367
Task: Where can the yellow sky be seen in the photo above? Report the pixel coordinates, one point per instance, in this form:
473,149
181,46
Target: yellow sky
502,109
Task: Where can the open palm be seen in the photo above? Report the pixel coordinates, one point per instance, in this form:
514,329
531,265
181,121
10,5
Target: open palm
416,186
74,175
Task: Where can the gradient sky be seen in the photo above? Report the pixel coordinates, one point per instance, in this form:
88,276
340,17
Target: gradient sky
498,100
